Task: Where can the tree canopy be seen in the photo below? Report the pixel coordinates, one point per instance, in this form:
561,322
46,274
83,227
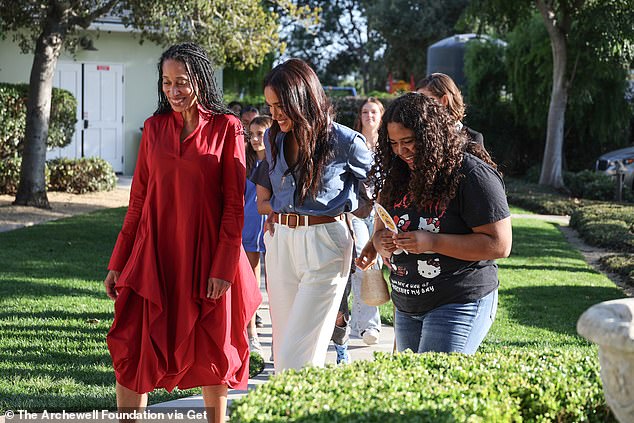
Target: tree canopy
579,31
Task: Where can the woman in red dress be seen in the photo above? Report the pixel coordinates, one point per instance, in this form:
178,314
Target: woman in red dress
183,288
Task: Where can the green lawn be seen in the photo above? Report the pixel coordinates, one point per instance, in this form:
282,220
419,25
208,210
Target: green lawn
54,314
519,210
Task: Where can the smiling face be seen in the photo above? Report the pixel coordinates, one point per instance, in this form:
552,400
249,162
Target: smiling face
177,87
256,133
275,107
370,116
403,142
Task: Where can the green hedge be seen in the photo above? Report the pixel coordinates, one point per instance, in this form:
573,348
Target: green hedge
541,199
549,386
68,175
13,99
622,264
256,364
594,186
81,176
606,225
10,175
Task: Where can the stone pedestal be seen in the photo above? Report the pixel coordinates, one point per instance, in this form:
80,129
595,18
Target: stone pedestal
611,325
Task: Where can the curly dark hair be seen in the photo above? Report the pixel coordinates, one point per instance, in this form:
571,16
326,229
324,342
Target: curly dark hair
304,101
438,157
201,74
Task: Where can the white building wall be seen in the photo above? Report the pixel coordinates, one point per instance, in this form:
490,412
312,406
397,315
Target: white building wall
139,68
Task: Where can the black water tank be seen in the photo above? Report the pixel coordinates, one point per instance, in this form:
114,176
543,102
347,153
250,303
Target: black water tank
447,56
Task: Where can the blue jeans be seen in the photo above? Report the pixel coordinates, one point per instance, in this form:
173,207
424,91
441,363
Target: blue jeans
448,328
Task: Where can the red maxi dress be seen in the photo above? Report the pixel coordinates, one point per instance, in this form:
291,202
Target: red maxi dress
183,226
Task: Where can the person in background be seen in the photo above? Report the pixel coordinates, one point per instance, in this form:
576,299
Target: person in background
246,116
235,107
443,89
313,169
453,219
180,279
253,230
365,320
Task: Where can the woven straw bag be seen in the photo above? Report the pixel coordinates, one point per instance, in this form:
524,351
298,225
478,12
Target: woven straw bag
374,288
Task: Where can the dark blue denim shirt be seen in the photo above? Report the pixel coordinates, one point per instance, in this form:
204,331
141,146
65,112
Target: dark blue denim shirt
339,184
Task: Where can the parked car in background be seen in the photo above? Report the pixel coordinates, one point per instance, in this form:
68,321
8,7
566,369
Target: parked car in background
618,160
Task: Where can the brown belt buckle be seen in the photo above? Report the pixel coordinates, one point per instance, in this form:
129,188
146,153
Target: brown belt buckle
296,216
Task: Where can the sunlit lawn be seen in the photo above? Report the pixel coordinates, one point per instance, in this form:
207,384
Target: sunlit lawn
54,314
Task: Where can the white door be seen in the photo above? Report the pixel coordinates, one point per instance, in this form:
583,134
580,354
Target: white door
103,113
98,89
68,76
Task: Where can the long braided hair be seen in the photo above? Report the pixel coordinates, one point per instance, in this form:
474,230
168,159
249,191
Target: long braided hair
305,103
201,75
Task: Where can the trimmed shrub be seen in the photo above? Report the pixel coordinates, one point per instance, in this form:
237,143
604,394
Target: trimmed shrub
541,199
256,364
82,175
606,225
549,386
622,264
10,175
591,185
13,99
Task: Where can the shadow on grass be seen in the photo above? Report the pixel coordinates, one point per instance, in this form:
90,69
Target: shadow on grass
546,266
38,290
556,308
541,241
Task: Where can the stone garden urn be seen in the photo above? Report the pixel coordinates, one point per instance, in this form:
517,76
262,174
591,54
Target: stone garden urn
610,324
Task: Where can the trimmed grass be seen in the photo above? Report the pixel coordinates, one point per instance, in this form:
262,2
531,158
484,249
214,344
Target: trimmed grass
519,210
545,285
54,314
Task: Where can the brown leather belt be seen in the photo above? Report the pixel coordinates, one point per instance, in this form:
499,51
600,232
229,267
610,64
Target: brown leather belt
293,220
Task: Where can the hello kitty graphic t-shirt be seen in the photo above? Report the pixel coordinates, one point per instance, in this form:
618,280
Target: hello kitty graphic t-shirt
422,282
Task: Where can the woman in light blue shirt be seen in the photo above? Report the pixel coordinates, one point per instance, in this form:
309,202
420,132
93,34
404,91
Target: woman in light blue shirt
309,180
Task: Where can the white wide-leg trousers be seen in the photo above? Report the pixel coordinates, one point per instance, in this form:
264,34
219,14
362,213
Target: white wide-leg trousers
306,271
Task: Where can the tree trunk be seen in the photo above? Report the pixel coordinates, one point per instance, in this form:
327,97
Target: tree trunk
552,168
32,188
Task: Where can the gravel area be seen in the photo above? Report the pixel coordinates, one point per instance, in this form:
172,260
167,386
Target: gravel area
62,205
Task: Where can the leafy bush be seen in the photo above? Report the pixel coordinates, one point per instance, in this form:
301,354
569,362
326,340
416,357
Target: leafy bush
10,175
13,99
622,264
541,199
256,364
606,225
549,386
589,184
82,175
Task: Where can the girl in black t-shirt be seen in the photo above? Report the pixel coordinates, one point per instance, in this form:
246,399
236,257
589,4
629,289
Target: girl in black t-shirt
453,219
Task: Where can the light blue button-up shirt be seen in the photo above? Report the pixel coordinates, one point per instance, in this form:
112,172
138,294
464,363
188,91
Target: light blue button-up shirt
340,181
